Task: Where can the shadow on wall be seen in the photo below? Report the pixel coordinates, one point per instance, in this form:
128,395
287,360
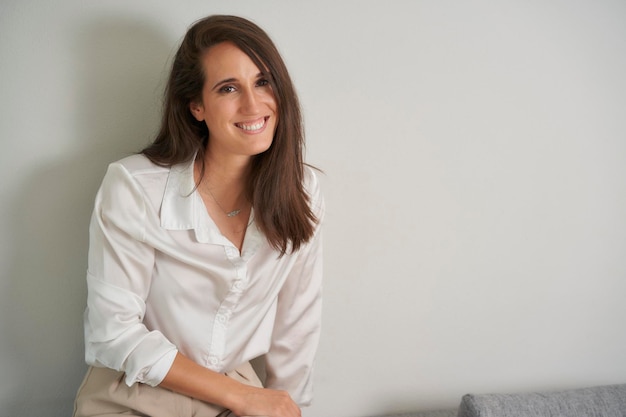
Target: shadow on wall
120,67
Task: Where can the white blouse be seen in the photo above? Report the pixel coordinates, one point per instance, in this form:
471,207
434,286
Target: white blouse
163,279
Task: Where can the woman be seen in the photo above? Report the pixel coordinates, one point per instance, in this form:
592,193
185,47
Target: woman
205,249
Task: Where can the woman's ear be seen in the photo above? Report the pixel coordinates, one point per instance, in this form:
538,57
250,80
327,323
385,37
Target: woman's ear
197,110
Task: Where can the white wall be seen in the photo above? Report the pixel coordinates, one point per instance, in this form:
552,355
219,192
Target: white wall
475,159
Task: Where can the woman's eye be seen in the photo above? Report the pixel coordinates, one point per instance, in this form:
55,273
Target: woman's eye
262,82
227,89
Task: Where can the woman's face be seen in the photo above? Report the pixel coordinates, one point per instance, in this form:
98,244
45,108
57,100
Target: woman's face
238,104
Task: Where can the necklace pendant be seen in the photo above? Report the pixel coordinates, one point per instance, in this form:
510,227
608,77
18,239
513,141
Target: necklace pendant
233,213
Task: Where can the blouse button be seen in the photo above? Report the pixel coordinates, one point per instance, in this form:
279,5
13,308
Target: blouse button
213,360
220,318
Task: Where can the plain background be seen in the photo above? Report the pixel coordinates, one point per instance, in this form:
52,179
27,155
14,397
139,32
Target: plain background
475,175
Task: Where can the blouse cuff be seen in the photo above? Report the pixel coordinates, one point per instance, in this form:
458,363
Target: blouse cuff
157,372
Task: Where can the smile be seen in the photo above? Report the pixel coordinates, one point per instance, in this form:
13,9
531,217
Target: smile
253,126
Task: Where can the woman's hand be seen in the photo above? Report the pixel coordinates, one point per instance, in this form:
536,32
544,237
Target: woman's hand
253,401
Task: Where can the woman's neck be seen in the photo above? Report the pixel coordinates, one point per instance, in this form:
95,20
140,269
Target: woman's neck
223,179
231,171
222,188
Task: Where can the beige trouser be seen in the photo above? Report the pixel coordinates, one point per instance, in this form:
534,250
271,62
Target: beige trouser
104,393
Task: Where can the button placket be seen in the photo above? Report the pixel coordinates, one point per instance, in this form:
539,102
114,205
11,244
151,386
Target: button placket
225,311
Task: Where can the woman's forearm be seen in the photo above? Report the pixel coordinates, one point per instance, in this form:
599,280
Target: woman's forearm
188,378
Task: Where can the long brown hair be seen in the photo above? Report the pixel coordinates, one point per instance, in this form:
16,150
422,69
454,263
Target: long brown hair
275,184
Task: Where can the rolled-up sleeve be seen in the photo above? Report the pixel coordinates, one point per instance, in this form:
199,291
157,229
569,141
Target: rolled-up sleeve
289,362
118,281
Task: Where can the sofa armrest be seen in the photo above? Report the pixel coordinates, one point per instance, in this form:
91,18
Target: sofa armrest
602,401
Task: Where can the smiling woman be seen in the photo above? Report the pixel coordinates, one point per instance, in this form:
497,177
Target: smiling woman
205,249
237,105
239,110
274,184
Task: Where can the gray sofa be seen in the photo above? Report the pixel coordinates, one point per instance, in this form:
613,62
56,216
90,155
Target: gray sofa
601,401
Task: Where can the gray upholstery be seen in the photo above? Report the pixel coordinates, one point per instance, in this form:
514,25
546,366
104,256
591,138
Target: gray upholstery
437,413
603,401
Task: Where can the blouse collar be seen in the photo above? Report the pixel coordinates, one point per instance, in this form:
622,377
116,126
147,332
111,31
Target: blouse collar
183,209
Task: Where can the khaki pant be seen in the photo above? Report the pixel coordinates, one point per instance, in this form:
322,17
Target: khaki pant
104,393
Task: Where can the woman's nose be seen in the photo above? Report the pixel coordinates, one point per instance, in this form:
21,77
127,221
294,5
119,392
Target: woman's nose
250,102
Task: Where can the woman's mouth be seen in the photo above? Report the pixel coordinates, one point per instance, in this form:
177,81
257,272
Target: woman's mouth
253,126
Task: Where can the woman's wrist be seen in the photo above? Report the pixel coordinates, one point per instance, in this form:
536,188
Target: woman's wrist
236,395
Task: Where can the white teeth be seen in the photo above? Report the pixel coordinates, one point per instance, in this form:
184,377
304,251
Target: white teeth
250,128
